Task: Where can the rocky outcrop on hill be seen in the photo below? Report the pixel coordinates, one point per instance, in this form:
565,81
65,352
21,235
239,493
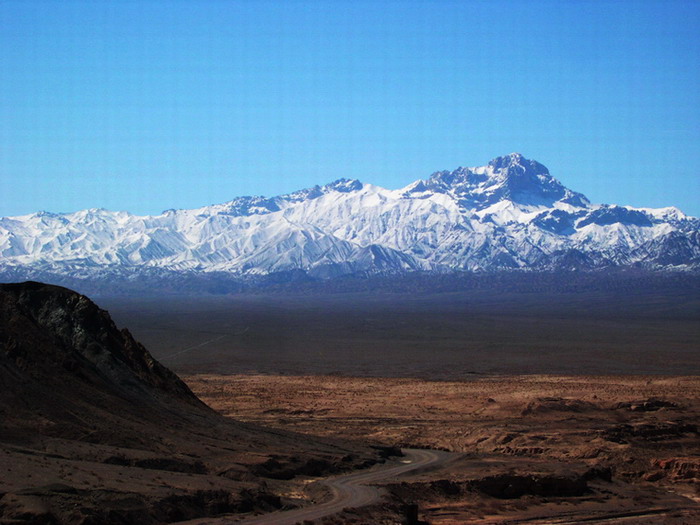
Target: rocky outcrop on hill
49,330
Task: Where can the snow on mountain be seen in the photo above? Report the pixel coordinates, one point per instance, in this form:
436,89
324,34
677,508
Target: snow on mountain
510,213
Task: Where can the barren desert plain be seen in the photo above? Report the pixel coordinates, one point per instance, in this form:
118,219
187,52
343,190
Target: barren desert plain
554,406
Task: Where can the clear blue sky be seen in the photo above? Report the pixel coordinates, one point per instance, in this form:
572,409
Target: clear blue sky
143,106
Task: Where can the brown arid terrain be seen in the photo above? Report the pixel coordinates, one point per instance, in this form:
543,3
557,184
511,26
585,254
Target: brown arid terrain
531,449
94,431
525,406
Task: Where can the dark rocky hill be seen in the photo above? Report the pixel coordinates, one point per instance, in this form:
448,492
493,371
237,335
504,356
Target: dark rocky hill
94,430
52,331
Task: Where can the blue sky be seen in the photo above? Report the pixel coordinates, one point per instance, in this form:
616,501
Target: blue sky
143,106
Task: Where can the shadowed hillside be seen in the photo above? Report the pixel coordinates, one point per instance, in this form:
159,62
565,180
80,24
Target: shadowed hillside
94,430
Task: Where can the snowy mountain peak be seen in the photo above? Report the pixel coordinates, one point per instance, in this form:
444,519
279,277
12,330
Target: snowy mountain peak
517,162
256,205
340,185
528,182
260,205
509,178
344,185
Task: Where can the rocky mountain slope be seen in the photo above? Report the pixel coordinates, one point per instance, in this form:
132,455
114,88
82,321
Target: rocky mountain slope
509,214
94,430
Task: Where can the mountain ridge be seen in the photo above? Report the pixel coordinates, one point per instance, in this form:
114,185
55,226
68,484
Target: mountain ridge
509,214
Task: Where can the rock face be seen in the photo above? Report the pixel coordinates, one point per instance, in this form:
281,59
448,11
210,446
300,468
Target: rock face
68,371
557,404
510,214
508,486
49,331
683,469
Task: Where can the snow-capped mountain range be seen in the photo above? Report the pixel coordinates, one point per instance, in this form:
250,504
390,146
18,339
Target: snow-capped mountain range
508,214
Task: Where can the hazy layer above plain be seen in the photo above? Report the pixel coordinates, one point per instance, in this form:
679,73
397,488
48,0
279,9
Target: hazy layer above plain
447,335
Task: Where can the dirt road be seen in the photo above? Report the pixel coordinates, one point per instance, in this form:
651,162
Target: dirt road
355,490
350,490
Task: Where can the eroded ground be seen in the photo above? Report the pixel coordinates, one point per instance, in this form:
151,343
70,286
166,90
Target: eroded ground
536,449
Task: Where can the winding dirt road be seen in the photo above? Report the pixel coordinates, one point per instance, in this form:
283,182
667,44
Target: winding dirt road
354,490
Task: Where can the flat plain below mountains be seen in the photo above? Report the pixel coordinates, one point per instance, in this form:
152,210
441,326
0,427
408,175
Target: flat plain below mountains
544,325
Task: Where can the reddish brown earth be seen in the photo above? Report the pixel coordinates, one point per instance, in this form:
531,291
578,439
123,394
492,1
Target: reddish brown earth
535,449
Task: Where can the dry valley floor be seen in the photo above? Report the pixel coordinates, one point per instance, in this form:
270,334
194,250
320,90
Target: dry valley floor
534,449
